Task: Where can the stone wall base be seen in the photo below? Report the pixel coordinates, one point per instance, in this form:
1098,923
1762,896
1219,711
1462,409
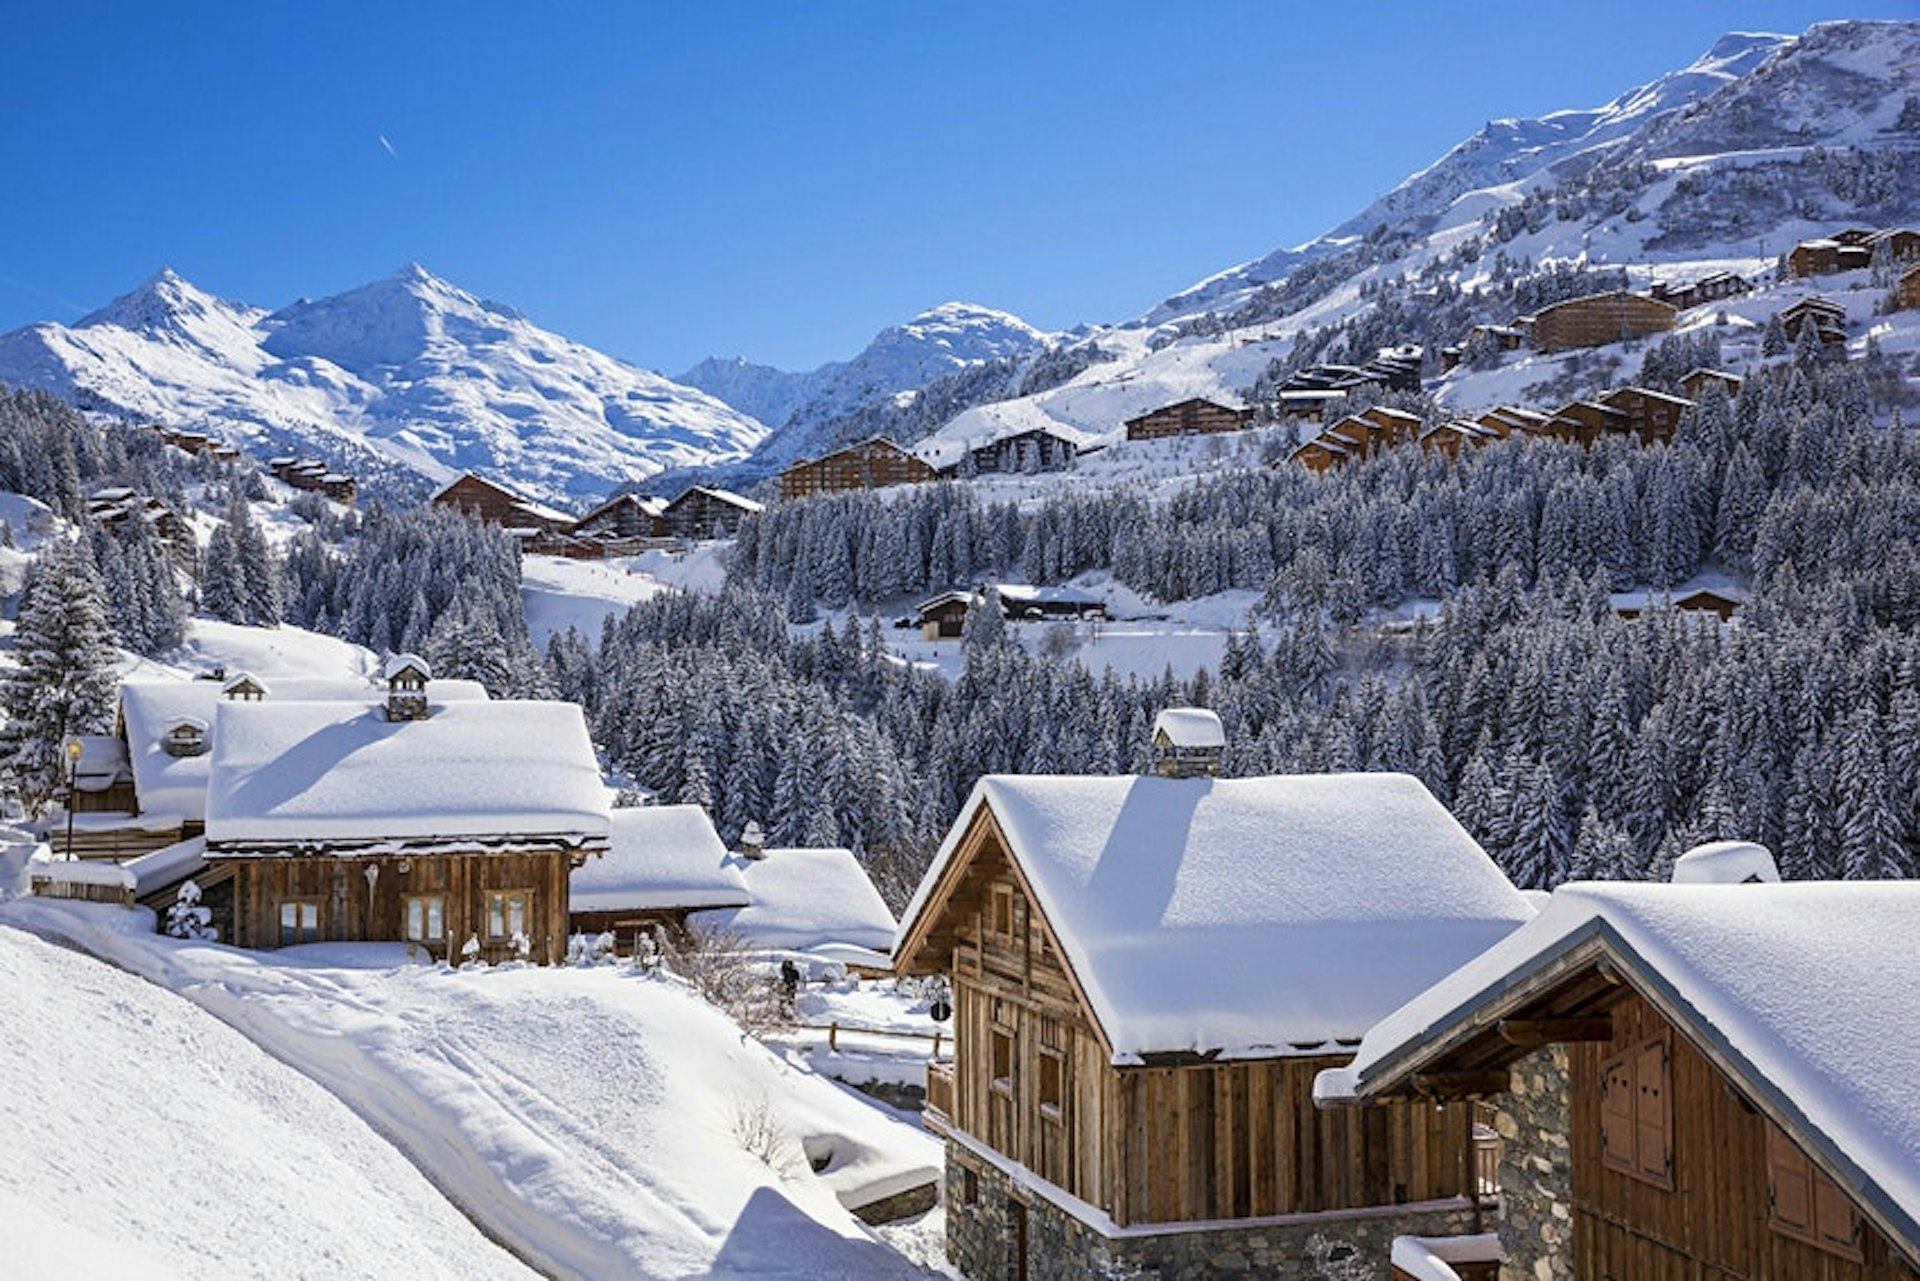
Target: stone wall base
984,1209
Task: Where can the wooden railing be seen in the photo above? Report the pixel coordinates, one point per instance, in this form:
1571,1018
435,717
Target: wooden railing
835,1029
1486,1152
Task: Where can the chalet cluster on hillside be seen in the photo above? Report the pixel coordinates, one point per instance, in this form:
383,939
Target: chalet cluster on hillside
1852,249
121,506
197,443
1591,321
315,477
1300,1027
1646,415
623,525
1308,392
878,463
1192,417
413,810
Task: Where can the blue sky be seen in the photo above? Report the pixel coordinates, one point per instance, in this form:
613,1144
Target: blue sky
777,180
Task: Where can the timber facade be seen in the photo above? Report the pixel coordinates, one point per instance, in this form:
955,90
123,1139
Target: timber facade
871,464
1188,418
1676,1176
1169,1143
1598,319
435,902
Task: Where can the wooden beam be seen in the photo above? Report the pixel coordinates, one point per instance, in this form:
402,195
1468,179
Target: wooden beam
1460,1085
1532,1033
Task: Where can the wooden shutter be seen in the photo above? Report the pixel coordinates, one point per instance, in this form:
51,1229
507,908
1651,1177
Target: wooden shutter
1653,1113
1836,1226
1789,1185
1616,1113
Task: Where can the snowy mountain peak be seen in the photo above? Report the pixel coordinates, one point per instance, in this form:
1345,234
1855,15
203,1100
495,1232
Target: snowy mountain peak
420,371
164,301
964,330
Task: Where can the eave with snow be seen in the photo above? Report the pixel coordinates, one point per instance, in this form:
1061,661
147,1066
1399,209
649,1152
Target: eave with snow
338,822
1736,1068
1130,955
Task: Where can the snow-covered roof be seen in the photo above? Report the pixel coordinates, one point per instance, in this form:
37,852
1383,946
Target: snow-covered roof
806,899
1190,727
1796,987
1253,917
401,662
723,495
170,863
178,784
1028,594
659,858
289,774
244,680
1725,863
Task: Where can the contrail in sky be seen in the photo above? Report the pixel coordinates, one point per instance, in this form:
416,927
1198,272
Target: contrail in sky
388,146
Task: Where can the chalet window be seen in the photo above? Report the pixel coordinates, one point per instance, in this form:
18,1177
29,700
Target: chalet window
969,1185
299,921
507,913
1053,1072
1636,1114
426,918
1002,919
1001,1045
1805,1204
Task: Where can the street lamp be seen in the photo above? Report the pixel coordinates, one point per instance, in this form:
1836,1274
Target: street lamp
73,769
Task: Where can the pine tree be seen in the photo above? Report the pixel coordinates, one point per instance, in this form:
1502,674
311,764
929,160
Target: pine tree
64,680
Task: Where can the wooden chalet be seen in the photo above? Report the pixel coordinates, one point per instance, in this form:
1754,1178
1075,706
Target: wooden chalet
1037,449
1188,418
944,617
1116,1093
1358,437
1598,319
1714,287
1450,439
1509,420
1582,422
661,864
1828,318
1906,290
1695,382
622,522
704,512
1702,1080
498,505
1901,243
1498,337
1651,415
416,822
1826,255
1722,603
871,464
314,476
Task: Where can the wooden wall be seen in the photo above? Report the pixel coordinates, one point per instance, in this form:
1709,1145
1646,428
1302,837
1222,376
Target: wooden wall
1602,318
1188,418
870,465
1713,1223
1161,1144
351,910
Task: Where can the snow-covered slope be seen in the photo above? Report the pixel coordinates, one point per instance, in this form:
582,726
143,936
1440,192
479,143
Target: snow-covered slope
412,368
1503,151
604,1123
803,407
1720,166
147,1139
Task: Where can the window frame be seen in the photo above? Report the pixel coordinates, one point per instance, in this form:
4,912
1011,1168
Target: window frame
1646,1153
504,898
1826,1202
306,904
407,904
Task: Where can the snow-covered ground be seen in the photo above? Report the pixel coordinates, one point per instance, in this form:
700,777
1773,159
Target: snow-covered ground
145,1138
599,1122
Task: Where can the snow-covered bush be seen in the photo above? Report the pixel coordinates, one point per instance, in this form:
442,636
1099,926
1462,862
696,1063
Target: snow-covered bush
721,968
187,919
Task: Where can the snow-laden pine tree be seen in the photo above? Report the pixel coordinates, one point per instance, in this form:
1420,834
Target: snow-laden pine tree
63,681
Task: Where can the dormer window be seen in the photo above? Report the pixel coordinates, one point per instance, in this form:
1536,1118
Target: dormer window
185,737
244,688
407,676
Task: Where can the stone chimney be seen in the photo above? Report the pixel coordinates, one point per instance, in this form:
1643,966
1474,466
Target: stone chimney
753,842
1187,743
407,676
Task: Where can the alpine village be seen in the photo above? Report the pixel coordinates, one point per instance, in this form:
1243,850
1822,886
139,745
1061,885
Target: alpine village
1400,762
